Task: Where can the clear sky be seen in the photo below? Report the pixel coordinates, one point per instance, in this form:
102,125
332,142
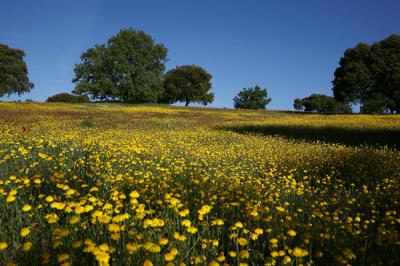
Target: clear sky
290,47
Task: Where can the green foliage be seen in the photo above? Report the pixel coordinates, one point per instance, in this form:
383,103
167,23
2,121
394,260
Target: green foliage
129,68
324,104
376,104
68,98
188,84
13,72
251,98
370,71
352,77
298,104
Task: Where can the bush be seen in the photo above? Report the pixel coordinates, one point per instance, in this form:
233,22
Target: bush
68,98
325,104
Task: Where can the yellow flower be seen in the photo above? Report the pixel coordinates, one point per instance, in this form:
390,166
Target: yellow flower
132,247
174,251
259,231
280,209
10,198
49,199
79,209
104,219
163,241
291,233
57,205
244,254
152,247
213,263
186,223
204,210
237,225
147,263
192,230
286,260
115,236
26,208
179,237
25,231
221,257
232,254
52,218
169,257
243,241
27,246
114,228
217,222
62,257
254,236
184,213
134,194
74,220
299,252
273,241
274,254
3,245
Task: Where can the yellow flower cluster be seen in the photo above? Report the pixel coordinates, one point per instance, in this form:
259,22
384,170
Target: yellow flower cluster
153,185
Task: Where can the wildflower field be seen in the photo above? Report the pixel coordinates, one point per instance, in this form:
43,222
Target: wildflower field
107,184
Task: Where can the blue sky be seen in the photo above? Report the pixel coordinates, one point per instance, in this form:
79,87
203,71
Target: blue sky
290,47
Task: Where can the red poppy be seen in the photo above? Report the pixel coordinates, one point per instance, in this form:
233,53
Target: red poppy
22,129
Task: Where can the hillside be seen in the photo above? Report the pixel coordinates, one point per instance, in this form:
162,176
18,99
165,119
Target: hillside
104,184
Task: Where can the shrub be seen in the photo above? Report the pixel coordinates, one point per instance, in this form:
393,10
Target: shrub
68,98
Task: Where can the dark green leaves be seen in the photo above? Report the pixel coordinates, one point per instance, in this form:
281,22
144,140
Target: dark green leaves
188,84
13,72
324,104
252,98
128,68
370,75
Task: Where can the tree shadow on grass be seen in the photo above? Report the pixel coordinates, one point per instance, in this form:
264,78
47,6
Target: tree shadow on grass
348,136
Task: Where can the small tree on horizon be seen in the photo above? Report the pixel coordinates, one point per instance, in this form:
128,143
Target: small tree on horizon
251,98
188,83
68,98
13,72
325,104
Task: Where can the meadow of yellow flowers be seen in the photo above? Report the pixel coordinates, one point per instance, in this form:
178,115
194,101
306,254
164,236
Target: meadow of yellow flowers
105,184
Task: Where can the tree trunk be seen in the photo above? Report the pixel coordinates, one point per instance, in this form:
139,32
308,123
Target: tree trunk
187,103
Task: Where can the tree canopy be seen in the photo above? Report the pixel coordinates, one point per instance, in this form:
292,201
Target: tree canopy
251,98
13,72
298,104
324,104
370,74
129,68
188,83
